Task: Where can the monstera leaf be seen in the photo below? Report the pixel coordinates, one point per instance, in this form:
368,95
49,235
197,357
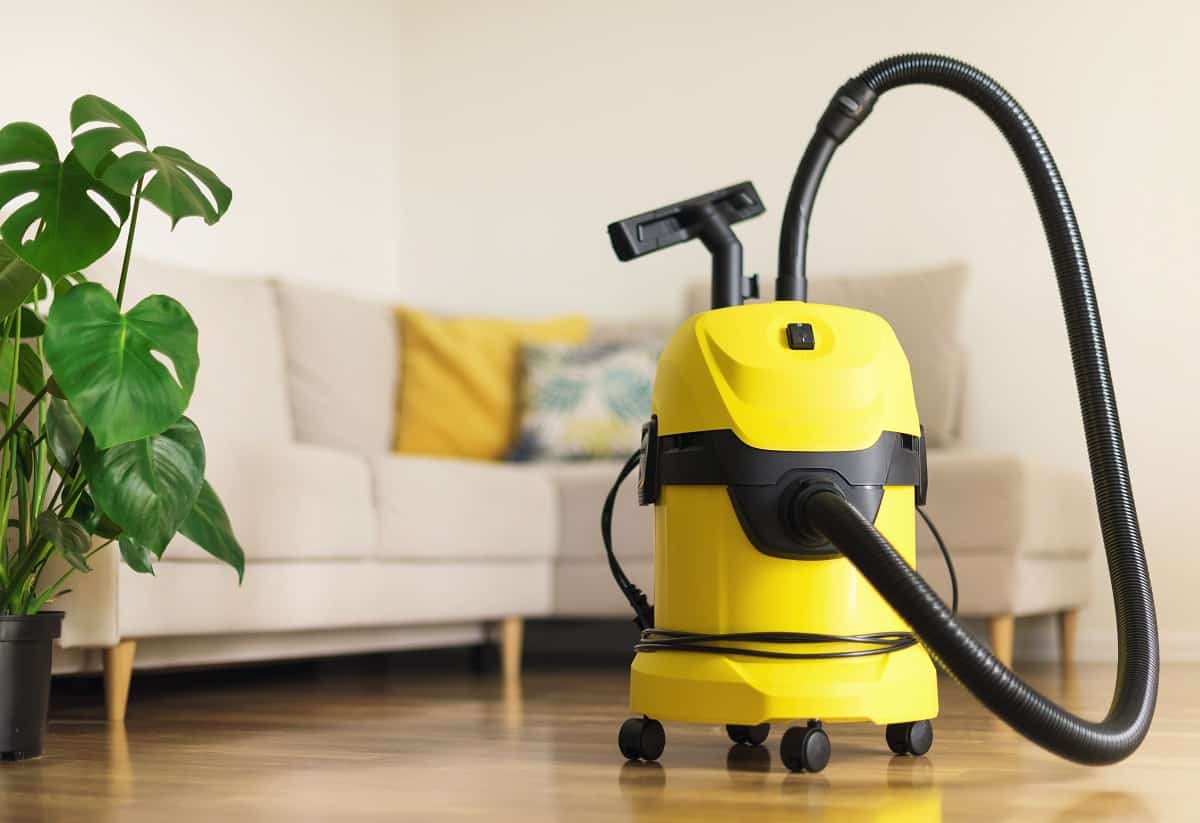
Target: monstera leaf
180,186
93,520
17,280
32,325
64,433
108,363
63,227
135,555
30,375
207,525
149,486
68,536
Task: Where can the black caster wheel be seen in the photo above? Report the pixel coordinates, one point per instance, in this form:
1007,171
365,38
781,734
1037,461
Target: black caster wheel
805,749
914,738
641,738
748,735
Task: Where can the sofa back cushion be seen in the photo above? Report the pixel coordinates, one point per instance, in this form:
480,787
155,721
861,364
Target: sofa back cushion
459,397
584,402
922,307
342,364
240,391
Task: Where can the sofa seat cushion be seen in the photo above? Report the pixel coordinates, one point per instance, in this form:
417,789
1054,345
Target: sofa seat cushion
990,502
198,599
289,502
447,509
581,489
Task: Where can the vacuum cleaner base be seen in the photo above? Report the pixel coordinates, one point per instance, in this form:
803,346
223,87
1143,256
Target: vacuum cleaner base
898,690
709,688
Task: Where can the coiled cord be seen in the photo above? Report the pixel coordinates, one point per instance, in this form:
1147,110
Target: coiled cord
662,640
994,684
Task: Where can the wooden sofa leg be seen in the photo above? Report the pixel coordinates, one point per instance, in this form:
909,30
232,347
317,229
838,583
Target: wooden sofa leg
118,671
512,638
1067,621
1000,633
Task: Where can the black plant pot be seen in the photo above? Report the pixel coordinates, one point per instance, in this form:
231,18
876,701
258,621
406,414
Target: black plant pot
25,645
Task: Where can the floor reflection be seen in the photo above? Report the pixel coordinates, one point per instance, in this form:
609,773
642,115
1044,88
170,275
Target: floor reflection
756,786
1100,806
748,759
120,766
906,791
512,704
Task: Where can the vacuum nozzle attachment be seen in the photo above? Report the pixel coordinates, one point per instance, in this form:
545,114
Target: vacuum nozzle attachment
707,217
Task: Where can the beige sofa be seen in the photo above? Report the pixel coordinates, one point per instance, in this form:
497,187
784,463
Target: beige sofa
352,548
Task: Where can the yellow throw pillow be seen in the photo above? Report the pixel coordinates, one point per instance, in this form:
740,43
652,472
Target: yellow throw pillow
458,380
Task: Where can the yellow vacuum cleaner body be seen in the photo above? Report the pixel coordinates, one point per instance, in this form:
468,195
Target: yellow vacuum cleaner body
786,464
752,406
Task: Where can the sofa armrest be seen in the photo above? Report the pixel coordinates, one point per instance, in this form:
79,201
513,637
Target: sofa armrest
91,603
987,502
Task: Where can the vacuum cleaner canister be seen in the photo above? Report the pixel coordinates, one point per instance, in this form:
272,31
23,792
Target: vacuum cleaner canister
786,464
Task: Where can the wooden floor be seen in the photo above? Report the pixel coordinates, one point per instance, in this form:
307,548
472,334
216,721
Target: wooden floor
390,740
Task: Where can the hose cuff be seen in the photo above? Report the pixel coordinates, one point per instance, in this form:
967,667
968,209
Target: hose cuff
794,510
848,108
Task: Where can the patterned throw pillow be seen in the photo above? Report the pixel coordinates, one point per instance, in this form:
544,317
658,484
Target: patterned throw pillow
584,402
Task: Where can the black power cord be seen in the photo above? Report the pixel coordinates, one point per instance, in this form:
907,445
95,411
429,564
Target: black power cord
643,611
937,538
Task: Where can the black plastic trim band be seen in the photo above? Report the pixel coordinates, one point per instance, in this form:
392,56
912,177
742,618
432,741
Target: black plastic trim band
720,458
762,482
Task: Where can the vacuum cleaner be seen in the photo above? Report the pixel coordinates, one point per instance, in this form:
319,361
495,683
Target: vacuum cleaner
785,462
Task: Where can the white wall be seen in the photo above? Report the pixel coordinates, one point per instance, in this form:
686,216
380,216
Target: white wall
467,156
289,102
522,129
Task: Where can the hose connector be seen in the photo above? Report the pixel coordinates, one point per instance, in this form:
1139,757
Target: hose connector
794,505
848,109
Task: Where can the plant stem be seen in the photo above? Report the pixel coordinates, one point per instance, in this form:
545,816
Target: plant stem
40,446
4,496
40,552
12,382
137,201
52,590
8,461
13,424
62,481
71,475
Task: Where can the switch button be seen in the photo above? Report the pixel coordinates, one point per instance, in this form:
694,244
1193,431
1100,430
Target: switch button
800,336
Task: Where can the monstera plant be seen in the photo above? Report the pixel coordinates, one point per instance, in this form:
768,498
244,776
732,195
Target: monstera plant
96,448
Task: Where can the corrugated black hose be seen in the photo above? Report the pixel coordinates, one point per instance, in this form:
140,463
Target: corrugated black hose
996,686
